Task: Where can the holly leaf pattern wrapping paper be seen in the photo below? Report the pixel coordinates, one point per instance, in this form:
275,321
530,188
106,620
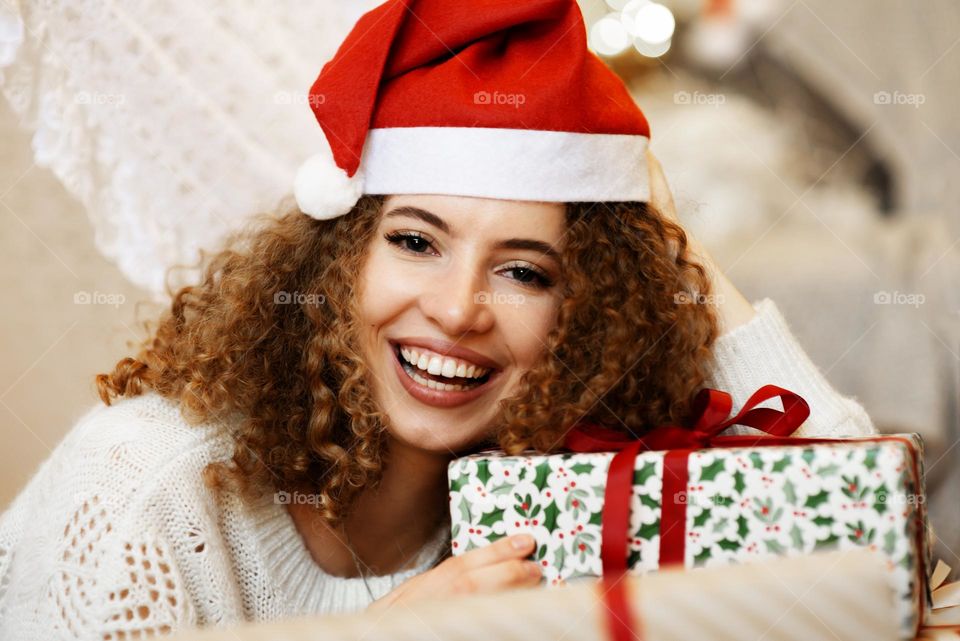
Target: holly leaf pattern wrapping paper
743,504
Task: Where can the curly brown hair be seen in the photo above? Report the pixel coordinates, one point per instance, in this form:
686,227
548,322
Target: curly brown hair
626,352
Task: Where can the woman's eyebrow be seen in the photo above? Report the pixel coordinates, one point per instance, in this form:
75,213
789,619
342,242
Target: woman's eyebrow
510,243
422,214
529,243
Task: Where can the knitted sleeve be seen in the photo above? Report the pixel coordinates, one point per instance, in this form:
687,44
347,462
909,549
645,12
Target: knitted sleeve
81,556
764,351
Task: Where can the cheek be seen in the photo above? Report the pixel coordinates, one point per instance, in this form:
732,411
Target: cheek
529,324
383,291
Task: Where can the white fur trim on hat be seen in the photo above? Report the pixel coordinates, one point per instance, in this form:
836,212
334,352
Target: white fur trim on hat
323,190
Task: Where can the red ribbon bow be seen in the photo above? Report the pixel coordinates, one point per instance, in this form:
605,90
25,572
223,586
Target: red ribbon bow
710,409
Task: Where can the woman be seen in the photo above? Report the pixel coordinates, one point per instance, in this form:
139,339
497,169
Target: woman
279,445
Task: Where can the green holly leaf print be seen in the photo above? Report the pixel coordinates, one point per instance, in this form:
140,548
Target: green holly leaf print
457,483
720,524
596,518
633,558
649,530
649,501
907,561
808,456
829,542
738,484
491,517
455,530
582,468
640,476
817,499
827,470
523,473
543,473
558,556
728,544
701,518
881,494
465,515
550,514
774,546
710,472
541,552
823,520
493,536
483,472
796,537
870,458
743,527
702,557
889,542
501,489
470,545
757,460
781,464
724,501
789,492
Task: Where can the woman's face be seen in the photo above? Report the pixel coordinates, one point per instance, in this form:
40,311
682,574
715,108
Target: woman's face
459,295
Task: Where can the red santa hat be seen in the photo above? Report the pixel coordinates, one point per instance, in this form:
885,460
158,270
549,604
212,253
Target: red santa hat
489,98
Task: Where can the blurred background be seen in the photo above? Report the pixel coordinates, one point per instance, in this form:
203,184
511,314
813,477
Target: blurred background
813,147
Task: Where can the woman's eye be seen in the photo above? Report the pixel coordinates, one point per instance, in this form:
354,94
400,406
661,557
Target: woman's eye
408,241
529,276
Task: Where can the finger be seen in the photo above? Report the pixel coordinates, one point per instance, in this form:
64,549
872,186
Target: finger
514,573
660,195
501,550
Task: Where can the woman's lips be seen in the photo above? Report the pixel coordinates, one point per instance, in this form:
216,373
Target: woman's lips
435,397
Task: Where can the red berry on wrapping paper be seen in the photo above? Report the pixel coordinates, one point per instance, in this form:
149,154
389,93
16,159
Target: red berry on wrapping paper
564,488
470,530
455,544
764,510
506,472
526,522
852,487
576,503
536,522
582,547
524,506
573,484
858,533
579,527
561,535
516,523
776,527
548,494
543,563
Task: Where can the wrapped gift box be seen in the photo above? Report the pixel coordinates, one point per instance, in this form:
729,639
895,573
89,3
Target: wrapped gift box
739,504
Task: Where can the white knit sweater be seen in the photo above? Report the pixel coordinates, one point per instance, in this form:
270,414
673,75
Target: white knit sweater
116,534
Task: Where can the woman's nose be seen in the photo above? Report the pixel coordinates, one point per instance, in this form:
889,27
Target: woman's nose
458,302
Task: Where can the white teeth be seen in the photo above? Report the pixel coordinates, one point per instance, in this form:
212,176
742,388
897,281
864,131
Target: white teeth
441,365
432,384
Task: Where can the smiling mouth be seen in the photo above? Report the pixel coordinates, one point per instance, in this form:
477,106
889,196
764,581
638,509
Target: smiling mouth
438,372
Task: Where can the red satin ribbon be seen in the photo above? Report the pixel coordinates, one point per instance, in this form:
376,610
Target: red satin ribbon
710,409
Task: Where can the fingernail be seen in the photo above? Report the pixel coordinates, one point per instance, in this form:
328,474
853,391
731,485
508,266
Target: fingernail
522,541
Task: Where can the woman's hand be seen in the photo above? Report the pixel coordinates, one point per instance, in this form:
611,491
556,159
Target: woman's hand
732,308
493,568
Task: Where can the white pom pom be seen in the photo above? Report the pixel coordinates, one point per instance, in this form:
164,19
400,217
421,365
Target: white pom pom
323,190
